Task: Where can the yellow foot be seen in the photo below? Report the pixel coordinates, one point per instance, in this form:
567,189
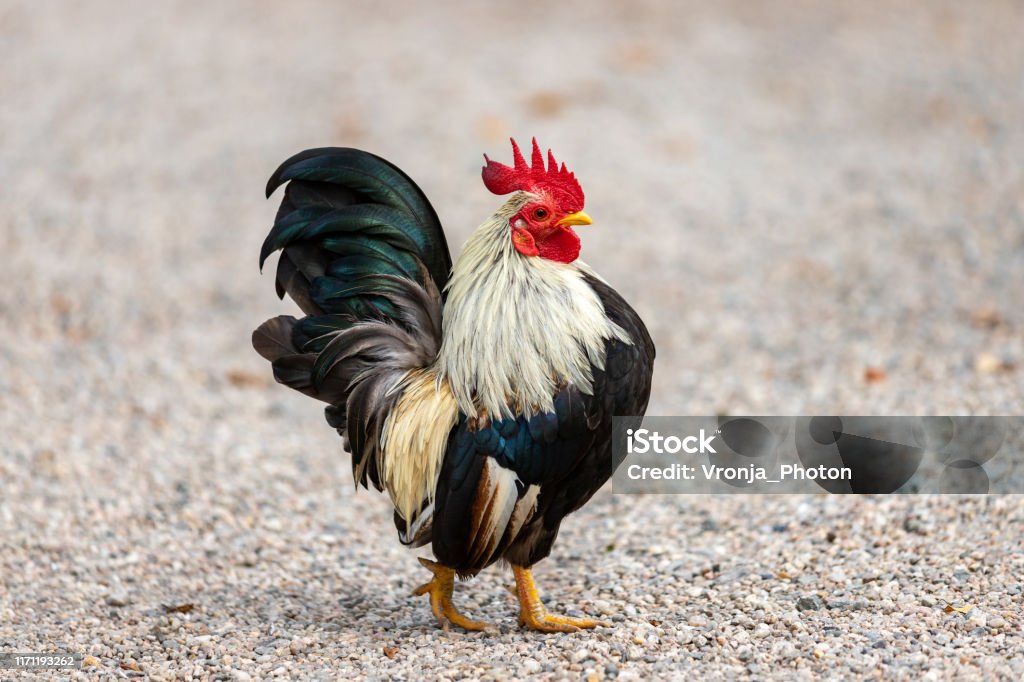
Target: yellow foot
533,615
440,590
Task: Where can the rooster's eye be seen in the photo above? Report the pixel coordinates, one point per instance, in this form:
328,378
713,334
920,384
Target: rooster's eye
540,213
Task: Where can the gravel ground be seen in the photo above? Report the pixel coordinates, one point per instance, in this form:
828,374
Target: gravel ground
814,208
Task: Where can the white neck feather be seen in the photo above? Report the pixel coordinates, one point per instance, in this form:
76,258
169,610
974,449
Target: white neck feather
517,328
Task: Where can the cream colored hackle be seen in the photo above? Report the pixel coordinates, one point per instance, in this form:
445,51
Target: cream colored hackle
517,327
414,440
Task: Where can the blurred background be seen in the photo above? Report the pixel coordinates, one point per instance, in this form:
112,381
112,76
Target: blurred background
814,206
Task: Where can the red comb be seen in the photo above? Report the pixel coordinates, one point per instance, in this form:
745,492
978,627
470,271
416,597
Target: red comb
558,182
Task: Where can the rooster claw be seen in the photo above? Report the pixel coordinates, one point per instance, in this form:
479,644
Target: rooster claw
440,589
533,615
546,622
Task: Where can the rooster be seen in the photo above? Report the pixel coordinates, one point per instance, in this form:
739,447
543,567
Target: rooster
479,396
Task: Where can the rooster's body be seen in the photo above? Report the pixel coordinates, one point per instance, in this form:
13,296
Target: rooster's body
479,396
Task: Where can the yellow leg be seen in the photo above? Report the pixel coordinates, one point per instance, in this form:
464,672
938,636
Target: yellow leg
440,589
532,613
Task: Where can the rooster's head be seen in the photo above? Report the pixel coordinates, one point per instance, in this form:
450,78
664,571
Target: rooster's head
543,226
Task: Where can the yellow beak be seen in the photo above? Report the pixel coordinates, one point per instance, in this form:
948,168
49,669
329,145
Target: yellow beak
577,218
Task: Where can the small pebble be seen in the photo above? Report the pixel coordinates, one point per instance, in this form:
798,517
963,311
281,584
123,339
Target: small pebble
809,603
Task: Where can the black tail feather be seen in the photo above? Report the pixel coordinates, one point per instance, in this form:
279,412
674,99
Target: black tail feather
273,338
365,258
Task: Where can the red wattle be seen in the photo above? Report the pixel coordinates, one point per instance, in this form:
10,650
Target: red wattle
562,246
